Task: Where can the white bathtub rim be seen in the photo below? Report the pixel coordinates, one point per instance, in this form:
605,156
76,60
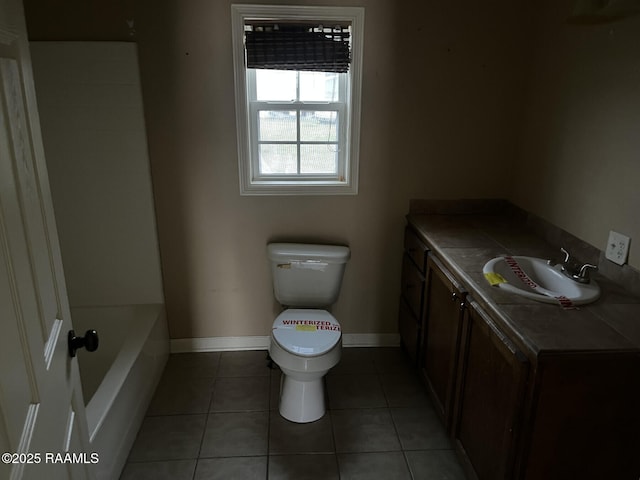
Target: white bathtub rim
99,405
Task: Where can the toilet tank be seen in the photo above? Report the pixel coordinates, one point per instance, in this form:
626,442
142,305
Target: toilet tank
307,275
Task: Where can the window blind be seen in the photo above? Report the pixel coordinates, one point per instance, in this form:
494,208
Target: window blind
305,47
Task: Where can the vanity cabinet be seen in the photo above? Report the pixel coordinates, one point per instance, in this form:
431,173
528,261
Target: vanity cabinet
476,376
412,297
520,401
441,335
490,396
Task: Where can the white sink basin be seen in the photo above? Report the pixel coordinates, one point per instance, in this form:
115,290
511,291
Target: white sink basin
534,278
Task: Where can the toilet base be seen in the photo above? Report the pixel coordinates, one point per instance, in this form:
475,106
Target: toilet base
302,395
302,401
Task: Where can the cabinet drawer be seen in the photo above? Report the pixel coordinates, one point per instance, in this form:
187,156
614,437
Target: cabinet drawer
409,327
412,285
416,249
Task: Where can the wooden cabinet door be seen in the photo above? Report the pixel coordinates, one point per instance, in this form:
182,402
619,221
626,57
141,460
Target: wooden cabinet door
493,375
441,337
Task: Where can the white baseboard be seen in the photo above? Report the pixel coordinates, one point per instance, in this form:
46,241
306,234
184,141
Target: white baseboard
223,344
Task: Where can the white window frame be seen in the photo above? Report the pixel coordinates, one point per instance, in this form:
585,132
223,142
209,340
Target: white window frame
251,182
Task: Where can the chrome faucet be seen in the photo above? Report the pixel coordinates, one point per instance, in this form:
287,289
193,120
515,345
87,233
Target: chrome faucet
574,269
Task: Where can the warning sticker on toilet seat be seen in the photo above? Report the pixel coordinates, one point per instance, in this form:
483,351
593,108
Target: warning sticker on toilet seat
306,328
312,325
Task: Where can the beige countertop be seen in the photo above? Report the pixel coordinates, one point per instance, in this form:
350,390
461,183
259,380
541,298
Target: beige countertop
465,242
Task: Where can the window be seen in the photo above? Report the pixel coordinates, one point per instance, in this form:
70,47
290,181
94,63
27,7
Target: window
297,85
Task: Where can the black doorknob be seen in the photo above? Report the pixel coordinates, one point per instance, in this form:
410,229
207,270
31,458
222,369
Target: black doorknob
90,341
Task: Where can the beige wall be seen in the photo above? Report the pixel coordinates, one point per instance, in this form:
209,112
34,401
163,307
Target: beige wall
579,165
439,112
445,114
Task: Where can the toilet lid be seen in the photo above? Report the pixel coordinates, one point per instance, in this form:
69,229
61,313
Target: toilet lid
306,332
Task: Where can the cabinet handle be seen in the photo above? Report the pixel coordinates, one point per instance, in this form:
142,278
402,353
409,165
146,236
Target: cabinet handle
454,296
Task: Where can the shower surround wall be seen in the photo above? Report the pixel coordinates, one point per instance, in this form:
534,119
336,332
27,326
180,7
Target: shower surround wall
93,127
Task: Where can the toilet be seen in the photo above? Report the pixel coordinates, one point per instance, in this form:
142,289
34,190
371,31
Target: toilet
306,340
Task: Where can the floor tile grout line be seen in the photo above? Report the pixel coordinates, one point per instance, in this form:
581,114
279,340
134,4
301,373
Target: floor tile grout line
333,430
206,423
204,432
406,461
270,412
395,428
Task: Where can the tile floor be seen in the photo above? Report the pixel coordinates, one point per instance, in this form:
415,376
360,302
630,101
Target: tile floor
215,416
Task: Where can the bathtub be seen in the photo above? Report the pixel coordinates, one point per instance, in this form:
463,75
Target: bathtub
118,380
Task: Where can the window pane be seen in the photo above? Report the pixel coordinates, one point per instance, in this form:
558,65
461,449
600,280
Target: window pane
278,159
275,85
319,159
277,125
319,86
319,126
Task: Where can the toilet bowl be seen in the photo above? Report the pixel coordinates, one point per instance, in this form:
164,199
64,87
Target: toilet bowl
305,344
306,340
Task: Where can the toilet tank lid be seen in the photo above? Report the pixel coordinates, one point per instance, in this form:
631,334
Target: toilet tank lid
308,251
306,332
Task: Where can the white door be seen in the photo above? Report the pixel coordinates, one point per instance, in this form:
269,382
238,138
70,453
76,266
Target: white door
43,432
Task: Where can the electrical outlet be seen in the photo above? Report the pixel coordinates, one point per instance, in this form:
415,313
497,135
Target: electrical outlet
617,248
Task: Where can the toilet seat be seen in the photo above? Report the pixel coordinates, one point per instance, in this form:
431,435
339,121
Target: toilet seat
306,332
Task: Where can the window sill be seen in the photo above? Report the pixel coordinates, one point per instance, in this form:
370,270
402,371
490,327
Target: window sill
274,188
